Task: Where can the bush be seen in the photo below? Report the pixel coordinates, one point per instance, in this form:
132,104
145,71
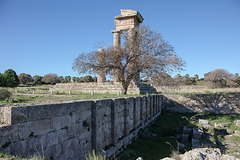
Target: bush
5,94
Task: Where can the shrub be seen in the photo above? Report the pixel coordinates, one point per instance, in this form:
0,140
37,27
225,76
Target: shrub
5,94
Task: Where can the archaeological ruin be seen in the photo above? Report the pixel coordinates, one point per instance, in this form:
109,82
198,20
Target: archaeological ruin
128,21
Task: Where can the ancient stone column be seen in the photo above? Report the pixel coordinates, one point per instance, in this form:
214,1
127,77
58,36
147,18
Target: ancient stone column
117,47
101,76
133,66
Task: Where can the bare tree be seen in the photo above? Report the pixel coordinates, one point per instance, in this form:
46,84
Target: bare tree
146,53
164,79
218,78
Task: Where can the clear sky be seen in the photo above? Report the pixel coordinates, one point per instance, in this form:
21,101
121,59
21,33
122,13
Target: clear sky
44,36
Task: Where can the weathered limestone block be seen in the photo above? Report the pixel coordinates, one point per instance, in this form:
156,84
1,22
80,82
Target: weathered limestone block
54,151
25,130
19,115
144,110
103,124
130,115
148,106
138,109
119,107
60,122
41,127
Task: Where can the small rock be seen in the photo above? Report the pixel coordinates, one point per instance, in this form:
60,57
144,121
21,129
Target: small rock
139,158
230,131
237,133
203,122
219,125
207,126
238,123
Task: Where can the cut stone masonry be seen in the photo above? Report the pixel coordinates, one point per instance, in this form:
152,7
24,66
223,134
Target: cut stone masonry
71,130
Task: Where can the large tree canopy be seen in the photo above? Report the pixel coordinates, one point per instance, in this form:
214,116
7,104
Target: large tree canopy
25,78
11,78
146,53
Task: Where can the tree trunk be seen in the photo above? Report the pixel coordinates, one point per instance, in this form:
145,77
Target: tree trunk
124,90
125,85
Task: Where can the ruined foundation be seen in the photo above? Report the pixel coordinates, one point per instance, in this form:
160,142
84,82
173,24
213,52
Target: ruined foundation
71,130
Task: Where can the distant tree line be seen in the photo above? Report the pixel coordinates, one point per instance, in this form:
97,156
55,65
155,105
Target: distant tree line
214,79
217,78
10,79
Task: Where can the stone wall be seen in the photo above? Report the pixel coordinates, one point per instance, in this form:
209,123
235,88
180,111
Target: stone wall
193,89
95,87
71,130
213,103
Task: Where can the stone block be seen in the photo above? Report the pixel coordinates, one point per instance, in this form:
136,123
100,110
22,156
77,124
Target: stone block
25,130
41,127
53,152
185,137
237,133
69,144
18,115
186,129
11,132
230,131
195,143
57,123
19,148
52,139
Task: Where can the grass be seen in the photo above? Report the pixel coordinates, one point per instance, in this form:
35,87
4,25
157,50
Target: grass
60,97
165,127
157,147
94,156
12,157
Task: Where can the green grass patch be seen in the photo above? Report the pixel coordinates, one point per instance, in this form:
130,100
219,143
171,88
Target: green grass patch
61,97
236,138
12,157
158,147
165,127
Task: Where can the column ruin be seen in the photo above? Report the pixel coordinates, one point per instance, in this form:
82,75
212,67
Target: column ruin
129,21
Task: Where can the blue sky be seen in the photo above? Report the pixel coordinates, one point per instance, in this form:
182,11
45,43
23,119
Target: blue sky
44,36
